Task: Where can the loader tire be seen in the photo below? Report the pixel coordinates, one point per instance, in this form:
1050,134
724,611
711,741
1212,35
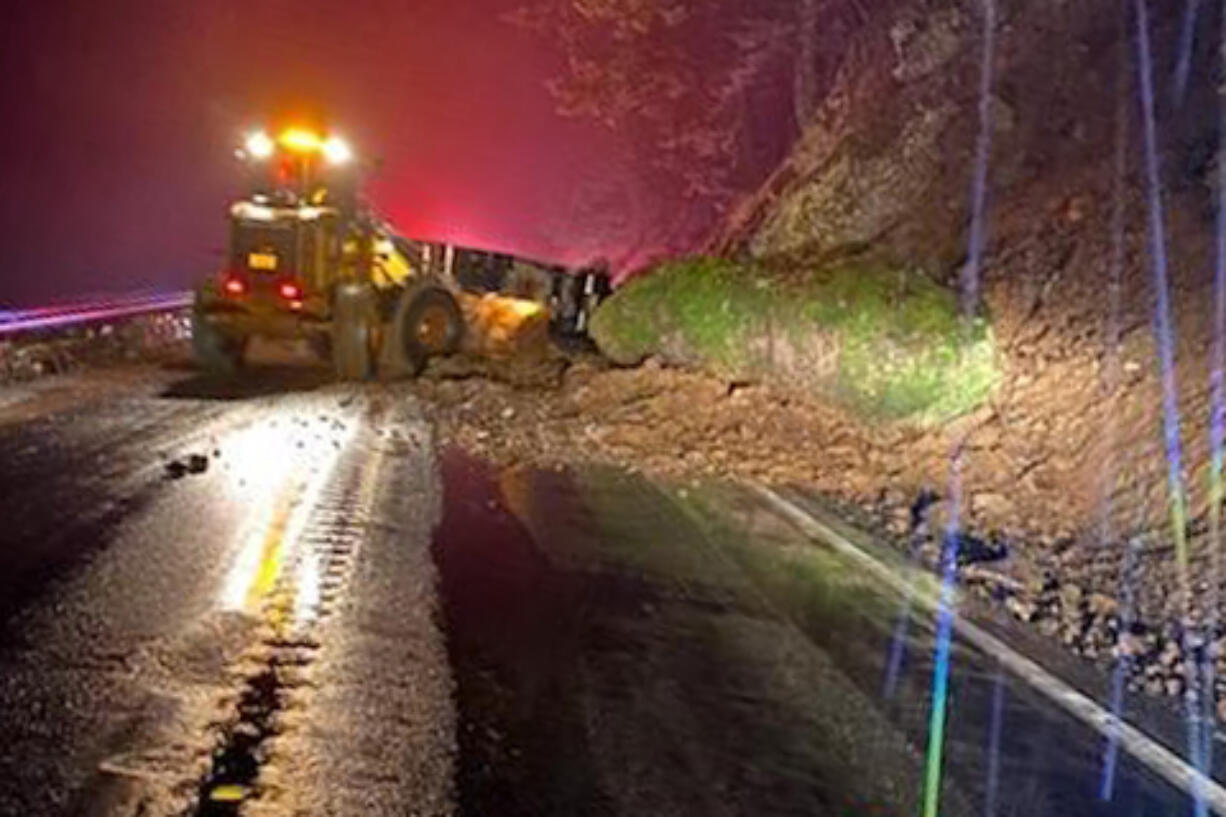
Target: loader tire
353,324
428,323
214,351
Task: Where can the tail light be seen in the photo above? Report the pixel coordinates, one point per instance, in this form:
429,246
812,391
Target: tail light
234,284
290,291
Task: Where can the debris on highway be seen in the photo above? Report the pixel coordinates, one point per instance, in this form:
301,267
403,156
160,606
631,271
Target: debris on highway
191,464
688,426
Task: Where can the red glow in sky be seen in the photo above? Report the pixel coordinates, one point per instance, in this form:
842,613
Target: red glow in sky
116,154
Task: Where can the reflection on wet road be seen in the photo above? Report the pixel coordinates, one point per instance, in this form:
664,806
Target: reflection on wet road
625,648
254,630
326,615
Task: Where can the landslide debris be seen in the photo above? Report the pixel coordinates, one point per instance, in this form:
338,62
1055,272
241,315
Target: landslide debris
1030,545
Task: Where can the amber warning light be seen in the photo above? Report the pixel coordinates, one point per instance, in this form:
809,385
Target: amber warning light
335,150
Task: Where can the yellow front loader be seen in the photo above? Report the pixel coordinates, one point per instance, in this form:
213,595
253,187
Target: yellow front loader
307,259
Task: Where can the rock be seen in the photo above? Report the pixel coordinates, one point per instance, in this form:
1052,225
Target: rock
1040,586
922,45
1108,631
972,549
919,508
1070,597
192,464
1070,635
989,504
1170,654
1102,605
1005,585
1075,208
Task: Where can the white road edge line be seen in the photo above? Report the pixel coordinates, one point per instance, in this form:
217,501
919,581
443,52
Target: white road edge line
1161,760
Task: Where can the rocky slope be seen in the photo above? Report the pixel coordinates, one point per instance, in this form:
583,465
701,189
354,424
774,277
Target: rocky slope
1066,459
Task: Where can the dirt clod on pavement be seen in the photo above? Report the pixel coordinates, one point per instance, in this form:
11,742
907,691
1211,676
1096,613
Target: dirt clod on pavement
191,464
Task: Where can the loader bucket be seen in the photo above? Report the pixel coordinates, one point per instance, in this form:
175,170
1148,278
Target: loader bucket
501,326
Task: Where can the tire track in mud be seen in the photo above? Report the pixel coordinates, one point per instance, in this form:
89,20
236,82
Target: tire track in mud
305,672
312,574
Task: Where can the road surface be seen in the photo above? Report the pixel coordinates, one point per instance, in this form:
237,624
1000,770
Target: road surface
278,596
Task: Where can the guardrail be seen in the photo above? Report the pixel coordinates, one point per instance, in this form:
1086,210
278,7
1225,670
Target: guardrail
20,321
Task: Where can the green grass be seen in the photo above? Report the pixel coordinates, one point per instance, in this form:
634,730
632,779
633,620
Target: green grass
886,342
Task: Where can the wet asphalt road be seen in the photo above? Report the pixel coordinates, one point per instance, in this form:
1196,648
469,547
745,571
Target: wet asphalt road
323,613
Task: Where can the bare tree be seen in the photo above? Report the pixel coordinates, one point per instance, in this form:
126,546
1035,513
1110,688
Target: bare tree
672,73
682,82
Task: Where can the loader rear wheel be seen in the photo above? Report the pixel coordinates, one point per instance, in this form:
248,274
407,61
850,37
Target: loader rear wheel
214,351
428,323
353,320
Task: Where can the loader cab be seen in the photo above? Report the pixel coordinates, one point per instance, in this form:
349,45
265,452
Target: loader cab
301,165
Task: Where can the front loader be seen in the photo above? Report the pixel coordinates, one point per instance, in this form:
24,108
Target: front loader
307,259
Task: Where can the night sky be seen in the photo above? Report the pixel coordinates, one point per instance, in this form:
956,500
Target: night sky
116,154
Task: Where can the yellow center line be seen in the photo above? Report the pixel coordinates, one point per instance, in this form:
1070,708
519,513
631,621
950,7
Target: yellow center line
272,552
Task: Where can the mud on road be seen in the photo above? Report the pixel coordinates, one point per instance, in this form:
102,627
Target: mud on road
1049,569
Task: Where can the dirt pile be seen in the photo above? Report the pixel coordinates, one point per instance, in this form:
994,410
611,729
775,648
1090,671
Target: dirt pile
682,424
